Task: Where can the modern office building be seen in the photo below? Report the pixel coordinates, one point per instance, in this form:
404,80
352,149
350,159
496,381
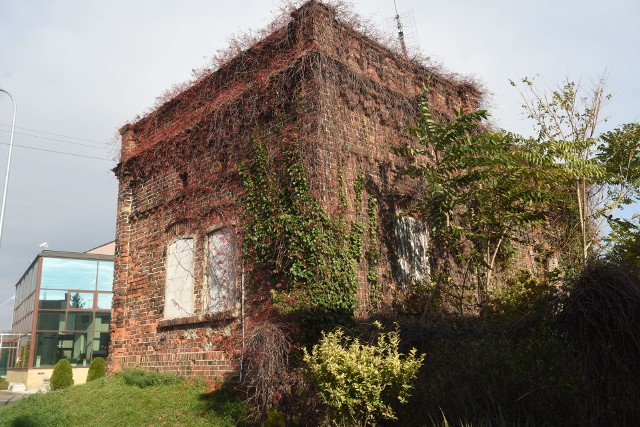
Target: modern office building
62,310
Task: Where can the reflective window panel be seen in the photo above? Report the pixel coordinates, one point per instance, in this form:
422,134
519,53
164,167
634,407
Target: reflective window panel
68,274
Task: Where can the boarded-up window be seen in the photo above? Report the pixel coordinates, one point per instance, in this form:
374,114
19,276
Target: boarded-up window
412,239
178,300
221,270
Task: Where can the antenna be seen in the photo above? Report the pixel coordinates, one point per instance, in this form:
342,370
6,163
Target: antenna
400,31
404,23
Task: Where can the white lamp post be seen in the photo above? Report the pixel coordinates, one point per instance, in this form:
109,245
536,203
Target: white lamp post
6,178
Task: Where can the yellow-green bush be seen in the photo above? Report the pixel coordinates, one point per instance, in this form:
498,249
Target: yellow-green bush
359,382
524,295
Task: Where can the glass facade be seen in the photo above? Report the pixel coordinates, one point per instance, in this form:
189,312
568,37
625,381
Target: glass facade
24,301
8,351
70,300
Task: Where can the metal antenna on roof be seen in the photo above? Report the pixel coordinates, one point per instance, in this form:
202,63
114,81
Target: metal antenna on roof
400,31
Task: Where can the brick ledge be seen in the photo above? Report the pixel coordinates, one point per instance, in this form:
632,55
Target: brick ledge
200,318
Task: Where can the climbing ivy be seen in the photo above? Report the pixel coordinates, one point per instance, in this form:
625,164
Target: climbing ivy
373,254
342,192
358,188
310,258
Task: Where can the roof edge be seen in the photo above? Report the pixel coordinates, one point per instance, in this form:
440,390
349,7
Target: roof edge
75,255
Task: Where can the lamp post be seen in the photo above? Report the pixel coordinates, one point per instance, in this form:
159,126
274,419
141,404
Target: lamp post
6,178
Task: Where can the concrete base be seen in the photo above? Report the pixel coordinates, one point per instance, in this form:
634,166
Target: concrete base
17,388
37,379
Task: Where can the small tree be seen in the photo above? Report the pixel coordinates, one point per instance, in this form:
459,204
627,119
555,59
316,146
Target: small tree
603,169
481,189
623,242
358,382
62,375
23,362
77,301
97,369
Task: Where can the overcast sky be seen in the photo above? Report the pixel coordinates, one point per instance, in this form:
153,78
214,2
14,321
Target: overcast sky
83,68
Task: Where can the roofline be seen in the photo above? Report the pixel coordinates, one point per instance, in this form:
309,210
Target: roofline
75,255
65,255
99,246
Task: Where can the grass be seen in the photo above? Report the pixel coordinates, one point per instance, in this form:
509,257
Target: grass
128,399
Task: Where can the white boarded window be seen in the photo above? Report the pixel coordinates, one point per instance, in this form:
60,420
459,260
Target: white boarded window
221,270
178,301
412,242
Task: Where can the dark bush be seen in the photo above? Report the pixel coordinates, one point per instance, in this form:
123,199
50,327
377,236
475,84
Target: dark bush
490,372
538,356
62,375
602,317
97,369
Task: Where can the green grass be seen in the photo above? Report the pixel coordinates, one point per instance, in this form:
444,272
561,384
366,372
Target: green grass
129,399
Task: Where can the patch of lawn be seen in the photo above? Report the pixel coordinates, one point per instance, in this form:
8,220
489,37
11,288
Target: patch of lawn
118,401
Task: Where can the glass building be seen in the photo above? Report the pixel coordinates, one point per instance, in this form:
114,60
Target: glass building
8,347
62,309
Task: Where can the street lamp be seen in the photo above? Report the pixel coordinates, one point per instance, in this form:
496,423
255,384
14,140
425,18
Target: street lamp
6,178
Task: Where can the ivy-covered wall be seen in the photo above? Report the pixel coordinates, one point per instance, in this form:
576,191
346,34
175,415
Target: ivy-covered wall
289,146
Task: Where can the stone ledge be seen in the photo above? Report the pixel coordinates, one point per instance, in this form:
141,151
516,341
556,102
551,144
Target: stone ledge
200,318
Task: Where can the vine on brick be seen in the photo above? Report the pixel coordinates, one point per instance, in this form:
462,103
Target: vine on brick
311,258
358,188
373,254
342,192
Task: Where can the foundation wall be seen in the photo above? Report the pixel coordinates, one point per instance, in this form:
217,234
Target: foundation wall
37,379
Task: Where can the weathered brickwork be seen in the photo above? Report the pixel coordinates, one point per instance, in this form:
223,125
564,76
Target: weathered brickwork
346,100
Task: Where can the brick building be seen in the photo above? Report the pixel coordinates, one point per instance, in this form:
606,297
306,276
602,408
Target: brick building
179,296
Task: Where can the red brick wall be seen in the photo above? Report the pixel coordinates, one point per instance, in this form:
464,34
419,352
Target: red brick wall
347,98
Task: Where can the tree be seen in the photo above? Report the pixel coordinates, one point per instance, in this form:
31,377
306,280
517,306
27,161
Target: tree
23,361
603,169
77,301
622,244
480,190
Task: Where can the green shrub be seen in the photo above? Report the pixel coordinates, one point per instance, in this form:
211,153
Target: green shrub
144,379
62,375
4,384
97,369
359,382
274,419
524,295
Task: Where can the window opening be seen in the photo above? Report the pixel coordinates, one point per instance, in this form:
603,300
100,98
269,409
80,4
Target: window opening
220,271
179,282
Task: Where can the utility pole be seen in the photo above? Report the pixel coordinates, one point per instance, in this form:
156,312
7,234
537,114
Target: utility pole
6,179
